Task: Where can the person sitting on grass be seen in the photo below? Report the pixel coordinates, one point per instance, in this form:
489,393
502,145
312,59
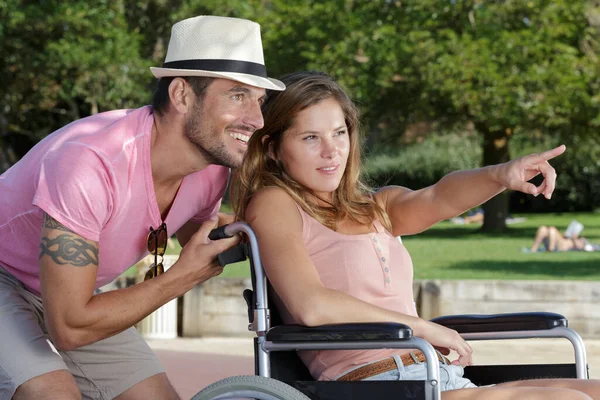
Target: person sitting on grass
329,249
477,216
473,216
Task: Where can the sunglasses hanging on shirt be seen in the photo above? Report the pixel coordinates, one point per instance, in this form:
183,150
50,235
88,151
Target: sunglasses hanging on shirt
157,245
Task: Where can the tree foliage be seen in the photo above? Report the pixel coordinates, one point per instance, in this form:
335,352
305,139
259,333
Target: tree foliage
65,60
507,67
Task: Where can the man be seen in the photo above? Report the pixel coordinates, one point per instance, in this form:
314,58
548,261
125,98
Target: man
96,196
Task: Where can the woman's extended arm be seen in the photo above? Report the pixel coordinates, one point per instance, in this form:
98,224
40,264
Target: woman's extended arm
296,281
414,211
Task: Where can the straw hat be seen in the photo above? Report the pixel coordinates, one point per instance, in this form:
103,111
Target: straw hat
218,47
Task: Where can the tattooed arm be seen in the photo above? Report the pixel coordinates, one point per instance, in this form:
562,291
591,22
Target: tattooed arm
74,315
65,247
68,266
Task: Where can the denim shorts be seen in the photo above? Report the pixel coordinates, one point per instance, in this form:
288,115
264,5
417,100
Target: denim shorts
451,376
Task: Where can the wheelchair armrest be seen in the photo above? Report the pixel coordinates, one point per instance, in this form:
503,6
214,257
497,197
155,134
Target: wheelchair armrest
340,332
525,321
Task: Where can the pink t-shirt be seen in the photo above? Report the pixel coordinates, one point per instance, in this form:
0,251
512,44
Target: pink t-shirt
373,267
94,176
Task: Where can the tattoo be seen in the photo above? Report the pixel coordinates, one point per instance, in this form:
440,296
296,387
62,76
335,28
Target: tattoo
67,248
51,223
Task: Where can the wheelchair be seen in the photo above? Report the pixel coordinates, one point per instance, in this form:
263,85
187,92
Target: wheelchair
280,374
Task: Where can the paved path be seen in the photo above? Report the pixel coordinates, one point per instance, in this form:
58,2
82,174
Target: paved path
189,372
193,363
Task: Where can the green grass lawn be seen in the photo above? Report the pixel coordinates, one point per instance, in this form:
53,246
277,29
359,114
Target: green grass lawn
448,251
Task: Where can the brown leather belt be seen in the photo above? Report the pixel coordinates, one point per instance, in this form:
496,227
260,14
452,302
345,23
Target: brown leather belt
385,365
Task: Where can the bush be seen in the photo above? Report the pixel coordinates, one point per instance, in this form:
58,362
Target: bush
422,164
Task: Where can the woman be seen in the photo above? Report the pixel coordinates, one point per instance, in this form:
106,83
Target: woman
553,240
328,245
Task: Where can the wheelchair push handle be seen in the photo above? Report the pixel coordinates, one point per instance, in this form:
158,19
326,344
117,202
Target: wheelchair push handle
220,233
235,254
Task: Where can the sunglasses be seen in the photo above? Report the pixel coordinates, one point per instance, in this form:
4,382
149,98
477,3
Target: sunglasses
157,244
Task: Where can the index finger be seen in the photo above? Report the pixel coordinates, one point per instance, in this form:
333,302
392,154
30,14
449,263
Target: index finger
555,152
204,230
215,246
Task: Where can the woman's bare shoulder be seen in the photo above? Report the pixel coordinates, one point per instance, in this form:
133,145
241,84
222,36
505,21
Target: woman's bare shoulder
270,196
272,202
387,193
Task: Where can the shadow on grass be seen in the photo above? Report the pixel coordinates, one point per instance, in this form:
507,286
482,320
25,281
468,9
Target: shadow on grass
471,233
575,269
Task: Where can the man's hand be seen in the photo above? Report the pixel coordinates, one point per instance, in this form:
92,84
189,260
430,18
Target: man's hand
188,229
515,174
198,258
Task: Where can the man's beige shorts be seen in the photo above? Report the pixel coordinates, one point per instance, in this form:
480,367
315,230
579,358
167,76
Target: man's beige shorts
103,370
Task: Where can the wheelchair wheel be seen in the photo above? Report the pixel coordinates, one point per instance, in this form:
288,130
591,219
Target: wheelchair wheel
249,387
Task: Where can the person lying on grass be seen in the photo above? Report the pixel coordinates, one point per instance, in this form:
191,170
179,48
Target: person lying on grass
549,238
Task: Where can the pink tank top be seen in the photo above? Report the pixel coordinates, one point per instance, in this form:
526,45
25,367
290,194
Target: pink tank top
374,267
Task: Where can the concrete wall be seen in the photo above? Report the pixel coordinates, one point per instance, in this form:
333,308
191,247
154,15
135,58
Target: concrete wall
576,300
216,308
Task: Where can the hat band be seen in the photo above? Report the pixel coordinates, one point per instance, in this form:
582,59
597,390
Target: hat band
243,67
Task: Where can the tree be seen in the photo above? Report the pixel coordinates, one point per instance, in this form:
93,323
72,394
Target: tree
513,67
508,67
62,61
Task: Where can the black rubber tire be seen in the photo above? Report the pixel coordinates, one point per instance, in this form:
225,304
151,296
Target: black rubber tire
249,387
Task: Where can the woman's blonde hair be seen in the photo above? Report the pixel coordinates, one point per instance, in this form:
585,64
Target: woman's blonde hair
352,199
